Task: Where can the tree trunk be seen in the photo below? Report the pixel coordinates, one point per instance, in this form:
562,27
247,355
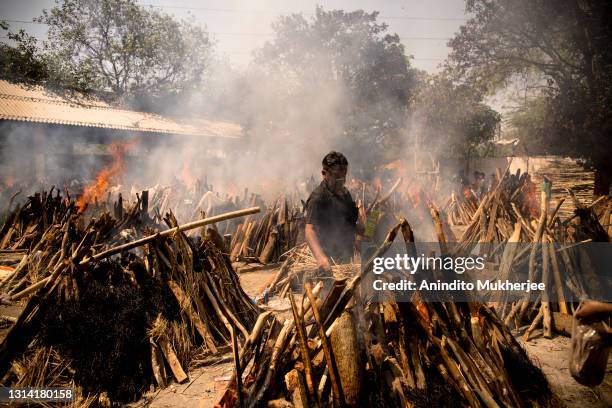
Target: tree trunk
603,179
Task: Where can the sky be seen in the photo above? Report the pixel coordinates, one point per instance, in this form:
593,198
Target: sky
240,26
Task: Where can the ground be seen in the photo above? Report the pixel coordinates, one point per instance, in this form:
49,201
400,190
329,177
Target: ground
552,356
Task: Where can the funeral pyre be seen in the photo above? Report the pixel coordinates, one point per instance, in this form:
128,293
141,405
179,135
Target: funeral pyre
110,319
341,350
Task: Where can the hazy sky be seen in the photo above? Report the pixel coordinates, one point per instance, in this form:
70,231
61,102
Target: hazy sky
239,26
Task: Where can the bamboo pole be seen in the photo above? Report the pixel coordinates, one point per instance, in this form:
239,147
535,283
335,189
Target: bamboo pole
180,228
238,372
333,375
301,332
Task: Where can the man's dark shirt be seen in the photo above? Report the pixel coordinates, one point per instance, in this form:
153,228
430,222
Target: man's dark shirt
334,217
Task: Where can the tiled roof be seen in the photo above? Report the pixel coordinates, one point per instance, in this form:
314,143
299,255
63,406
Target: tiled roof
37,104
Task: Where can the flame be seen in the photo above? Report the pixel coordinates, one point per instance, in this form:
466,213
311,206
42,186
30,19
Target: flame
9,180
231,189
100,185
186,176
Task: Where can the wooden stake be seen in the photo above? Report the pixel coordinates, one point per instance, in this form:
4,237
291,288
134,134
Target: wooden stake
333,374
238,372
301,332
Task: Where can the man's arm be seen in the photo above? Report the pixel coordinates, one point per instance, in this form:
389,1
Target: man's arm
315,247
591,307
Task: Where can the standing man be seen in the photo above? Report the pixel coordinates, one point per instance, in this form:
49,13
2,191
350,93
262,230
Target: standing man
331,216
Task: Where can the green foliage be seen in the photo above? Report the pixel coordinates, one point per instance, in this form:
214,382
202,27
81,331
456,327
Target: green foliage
21,62
348,58
452,120
566,43
121,49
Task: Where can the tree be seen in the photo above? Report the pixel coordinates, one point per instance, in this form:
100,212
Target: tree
21,62
123,50
451,120
341,74
566,43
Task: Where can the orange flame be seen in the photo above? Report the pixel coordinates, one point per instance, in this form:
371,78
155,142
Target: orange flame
101,183
186,176
9,180
232,190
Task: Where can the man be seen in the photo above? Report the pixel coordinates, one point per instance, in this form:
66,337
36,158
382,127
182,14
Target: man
331,216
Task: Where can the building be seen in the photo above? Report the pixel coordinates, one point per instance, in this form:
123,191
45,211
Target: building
44,132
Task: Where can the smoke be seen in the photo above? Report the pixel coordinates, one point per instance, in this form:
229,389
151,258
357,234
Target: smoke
301,97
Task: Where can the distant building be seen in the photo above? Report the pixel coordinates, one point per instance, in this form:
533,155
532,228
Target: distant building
48,131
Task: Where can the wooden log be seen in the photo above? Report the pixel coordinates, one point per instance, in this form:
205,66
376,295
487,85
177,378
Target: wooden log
303,344
266,254
386,197
294,382
492,221
173,362
546,317
508,256
557,276
534,324
333,375
532,256
157,364
237,235
180,228
562,323
31,288
435,216
276,353
345,350
241,247
237,370
187,307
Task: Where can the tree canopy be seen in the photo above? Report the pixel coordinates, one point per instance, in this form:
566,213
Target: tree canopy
346,62
122,49
21,62
566,44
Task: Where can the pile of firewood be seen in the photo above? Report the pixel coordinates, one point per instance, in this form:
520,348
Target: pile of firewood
105,319
512,200
506,217
340,350
266,237
556,257
298,265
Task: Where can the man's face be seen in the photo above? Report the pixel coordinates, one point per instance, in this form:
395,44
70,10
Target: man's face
335,177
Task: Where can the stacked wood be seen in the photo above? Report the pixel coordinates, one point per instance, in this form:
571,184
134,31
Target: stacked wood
549,263
300,263
506,215
340,350
114,319
460,209
512,200
567,173
266,238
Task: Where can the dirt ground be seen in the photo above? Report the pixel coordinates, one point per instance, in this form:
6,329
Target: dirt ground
208,383
552,356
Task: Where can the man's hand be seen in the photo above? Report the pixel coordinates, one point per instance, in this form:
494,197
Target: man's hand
324,265
589,308
315,248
